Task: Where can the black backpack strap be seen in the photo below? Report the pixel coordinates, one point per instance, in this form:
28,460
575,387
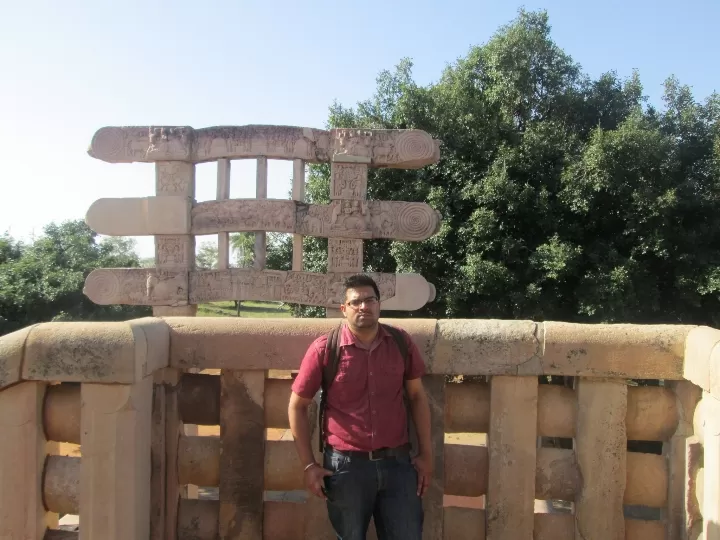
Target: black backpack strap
328,376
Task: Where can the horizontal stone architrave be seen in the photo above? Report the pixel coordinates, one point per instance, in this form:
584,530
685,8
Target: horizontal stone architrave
393,148
177,215
153,287
99,352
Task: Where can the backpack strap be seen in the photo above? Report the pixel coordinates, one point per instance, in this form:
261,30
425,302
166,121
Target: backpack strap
328,376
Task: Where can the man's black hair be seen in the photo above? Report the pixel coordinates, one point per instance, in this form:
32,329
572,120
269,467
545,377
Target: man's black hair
361,280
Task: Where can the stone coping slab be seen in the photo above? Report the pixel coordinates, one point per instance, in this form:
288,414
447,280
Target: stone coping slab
126,352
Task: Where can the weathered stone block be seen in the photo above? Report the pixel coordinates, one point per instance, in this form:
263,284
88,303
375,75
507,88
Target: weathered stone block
615,350
486,347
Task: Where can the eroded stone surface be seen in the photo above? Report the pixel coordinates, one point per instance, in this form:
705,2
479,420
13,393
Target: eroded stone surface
348,181
175,178
615,350
379,148
487,347
242,454
78,351
556,474
137,286
345,255
174,252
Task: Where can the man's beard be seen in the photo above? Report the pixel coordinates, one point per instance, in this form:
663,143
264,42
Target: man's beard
365,321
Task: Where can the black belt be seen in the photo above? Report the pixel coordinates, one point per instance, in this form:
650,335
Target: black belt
374,455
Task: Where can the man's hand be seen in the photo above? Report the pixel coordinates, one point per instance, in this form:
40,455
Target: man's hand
314,480
424,468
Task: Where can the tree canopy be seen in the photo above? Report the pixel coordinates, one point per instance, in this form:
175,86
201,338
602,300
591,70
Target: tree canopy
563,197
43,281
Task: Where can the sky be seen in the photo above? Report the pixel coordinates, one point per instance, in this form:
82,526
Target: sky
69,68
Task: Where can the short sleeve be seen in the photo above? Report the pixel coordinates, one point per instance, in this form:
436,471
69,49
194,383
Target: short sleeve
416,363
309,378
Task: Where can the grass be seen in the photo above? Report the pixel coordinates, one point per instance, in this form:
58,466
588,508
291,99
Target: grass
248,308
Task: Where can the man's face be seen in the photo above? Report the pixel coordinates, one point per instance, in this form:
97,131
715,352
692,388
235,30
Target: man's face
361,307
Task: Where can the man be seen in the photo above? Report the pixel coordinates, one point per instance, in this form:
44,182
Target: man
367,470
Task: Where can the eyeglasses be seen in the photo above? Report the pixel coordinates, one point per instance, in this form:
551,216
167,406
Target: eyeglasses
369,301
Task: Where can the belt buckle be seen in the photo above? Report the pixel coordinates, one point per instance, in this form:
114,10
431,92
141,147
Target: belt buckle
372,454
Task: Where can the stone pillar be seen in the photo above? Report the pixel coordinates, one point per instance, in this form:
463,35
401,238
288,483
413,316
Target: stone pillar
348,181
22,457
242,454
115,470
223,193
711,466
298,194
512,457
261,193
601,450
687,395
175,252
433,499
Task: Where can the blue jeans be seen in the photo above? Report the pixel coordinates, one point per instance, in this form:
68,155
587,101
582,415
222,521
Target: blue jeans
385,489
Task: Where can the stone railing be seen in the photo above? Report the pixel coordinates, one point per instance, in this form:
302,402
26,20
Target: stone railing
123,391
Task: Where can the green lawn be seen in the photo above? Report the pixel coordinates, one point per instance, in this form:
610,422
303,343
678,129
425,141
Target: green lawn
248,308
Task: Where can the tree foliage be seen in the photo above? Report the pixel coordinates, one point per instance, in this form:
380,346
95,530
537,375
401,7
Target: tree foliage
563,197
43,281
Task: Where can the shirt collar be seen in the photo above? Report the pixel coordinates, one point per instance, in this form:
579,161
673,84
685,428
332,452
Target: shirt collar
348,338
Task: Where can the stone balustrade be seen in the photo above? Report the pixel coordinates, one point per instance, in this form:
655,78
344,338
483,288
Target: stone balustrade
126,391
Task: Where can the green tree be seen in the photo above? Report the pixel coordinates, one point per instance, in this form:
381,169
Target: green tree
43,281
563,197
278,250
206,257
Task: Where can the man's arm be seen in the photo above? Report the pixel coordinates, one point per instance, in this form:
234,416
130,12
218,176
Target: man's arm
420,408
305,386
300,427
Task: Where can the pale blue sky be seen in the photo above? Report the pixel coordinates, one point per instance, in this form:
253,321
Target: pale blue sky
70,67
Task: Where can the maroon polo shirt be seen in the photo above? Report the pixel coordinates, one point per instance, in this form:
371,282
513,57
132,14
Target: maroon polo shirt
365,409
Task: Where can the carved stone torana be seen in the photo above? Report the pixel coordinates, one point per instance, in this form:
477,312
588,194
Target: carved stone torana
406,149
175,178
345,255
143,286
137,286
348,181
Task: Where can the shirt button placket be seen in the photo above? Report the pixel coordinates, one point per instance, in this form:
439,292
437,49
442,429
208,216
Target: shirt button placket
371,398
